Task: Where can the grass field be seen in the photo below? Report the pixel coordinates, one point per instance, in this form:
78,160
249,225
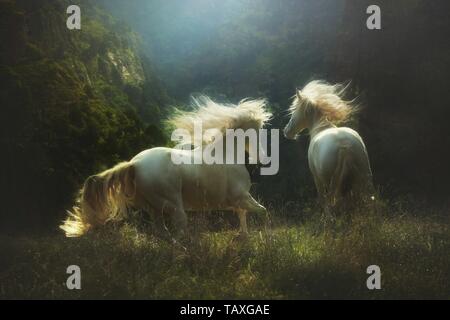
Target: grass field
300,255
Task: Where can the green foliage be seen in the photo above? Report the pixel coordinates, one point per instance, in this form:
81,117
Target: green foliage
73,103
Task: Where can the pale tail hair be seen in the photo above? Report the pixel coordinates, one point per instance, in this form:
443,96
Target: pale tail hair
327,99
245,115
104,197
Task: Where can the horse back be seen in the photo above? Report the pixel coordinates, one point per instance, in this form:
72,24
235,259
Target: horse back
332,147
198,185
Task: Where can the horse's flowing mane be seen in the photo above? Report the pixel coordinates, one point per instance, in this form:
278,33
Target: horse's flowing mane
327,99
247,114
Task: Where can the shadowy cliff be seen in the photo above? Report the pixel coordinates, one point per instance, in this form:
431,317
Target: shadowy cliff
72,102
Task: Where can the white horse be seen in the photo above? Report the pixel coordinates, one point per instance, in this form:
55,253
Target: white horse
337,157
152,182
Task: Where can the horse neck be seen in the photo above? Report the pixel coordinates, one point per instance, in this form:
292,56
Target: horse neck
319,124
222,142
236,148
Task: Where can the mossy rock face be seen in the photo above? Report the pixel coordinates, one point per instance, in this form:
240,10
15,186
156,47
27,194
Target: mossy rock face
73,103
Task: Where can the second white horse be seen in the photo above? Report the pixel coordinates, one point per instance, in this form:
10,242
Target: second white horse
337,156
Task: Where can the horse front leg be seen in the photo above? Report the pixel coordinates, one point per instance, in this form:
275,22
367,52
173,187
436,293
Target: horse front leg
242,221
249,204
254,206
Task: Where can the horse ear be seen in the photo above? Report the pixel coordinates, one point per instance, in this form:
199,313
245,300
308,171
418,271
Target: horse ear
298,94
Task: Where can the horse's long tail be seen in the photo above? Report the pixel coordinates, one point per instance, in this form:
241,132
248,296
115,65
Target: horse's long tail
341,174
104,197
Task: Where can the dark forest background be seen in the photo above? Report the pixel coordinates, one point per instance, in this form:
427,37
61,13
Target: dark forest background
76,102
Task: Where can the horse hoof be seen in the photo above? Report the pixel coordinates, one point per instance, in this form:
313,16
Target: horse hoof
242,236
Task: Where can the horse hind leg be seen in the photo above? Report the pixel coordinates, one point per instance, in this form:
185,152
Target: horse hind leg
161,229
321,190
363,190
178,218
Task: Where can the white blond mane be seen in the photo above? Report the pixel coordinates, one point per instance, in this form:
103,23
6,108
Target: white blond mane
212,115
327,99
